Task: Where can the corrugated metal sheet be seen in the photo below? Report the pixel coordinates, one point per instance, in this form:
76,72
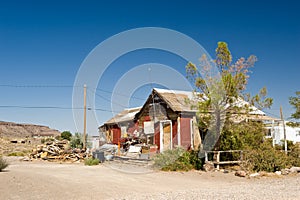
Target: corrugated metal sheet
179,101
124,116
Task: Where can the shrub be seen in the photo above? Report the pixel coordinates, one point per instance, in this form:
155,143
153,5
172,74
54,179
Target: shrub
3,164
195,159
16,154
266,158
173,160
241,136
48,139
66,135
294,155
58,137
91,161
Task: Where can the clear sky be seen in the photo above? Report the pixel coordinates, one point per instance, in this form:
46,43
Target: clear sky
43,43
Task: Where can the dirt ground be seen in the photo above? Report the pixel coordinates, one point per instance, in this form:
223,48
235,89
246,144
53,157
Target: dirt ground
46,180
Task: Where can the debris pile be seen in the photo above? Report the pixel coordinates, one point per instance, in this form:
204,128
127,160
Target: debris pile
57,150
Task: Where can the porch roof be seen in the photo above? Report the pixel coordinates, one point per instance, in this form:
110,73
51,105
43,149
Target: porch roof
124,116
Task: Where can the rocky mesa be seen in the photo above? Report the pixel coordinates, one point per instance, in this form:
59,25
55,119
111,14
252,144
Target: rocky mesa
16,130
20,139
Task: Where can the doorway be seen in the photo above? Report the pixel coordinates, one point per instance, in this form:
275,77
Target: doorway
165,135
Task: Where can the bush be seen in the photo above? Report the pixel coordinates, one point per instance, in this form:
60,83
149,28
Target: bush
195,159
76,141
16,154
91,161
294,155
173,160
3,164
241,136
66,135
48,139
58,137
266,158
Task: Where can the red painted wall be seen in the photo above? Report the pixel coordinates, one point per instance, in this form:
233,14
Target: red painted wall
157,135
116,134
185,132
174,133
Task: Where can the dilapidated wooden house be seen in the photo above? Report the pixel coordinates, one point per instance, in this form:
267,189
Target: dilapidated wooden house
168,119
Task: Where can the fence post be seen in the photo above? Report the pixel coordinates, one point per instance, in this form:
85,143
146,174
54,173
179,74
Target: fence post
218,160
206,157
241,156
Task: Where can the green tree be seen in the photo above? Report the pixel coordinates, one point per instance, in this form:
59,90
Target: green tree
295,102
77,141
66,135
219,96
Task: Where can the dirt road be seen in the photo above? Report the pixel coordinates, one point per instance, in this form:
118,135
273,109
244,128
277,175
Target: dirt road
45,180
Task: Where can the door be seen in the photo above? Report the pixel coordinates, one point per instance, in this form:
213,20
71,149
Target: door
165,135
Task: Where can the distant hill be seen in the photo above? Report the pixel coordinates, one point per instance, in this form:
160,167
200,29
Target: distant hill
16,130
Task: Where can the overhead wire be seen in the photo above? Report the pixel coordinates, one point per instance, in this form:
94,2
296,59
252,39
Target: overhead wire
61,107
38,86
108,100
67,86
120,94
52,107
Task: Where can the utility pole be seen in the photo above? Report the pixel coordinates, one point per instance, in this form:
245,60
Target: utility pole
284,132
84,116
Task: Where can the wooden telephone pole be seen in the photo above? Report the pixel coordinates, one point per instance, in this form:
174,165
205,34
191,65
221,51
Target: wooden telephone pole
284,132
84,117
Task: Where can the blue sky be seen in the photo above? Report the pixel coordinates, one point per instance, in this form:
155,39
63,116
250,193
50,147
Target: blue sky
43,43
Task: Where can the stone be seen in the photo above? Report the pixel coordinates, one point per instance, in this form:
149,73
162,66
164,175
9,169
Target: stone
285,171
294,170
26,158
209,166
254,175
241,173
278,173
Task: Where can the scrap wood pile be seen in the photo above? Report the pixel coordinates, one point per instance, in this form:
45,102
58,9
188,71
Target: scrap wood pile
57,151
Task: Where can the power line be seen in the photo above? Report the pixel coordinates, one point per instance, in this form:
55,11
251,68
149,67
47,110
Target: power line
53,107
277,116
67,86
120,94
39,107
109,100
39,86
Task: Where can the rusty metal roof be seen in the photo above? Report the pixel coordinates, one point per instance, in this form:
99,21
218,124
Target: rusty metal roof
179,101
124,116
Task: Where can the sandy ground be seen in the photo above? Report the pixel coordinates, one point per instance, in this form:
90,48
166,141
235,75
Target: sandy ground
45,180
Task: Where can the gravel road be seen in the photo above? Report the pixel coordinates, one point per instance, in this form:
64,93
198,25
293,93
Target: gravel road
45,180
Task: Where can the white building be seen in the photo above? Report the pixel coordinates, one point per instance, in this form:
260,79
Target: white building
276,132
